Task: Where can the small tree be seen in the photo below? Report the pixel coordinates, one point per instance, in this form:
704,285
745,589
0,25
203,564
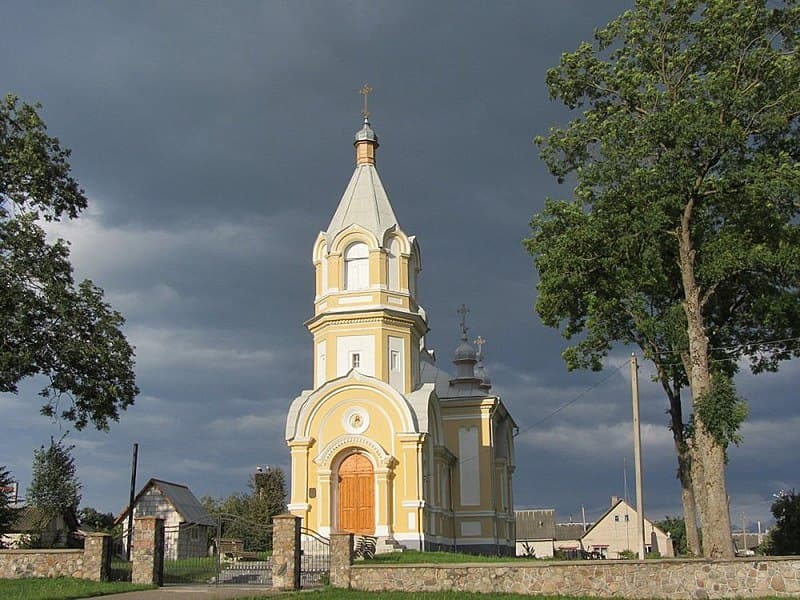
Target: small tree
785,535
54,486
7,511
676,528
266,498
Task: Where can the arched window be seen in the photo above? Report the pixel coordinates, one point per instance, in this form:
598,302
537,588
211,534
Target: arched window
394,265
356,266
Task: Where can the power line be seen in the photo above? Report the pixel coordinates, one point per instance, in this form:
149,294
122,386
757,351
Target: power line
570,402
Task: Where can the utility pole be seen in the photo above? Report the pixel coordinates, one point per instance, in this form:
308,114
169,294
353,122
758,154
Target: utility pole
130,502
637,456
744,534
583,515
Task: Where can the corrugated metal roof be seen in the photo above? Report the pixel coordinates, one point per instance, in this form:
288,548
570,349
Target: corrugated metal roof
569,531
537,524
185,502
33,518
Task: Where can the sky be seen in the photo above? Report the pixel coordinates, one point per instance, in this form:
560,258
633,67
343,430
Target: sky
214,141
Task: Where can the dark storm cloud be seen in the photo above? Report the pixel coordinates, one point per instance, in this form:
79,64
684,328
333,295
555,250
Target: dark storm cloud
214,142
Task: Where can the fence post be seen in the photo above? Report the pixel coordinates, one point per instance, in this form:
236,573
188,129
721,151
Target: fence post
147,554
97,556
286,552
341,559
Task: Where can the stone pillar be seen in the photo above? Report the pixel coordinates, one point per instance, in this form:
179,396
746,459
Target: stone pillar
97,556
341,557
147,554
286,552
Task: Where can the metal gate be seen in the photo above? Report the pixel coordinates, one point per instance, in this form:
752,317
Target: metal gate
228,550
315,559
119,568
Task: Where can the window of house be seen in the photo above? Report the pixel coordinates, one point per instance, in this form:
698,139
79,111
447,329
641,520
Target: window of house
356,266
626,518
355,360
394,360
616,518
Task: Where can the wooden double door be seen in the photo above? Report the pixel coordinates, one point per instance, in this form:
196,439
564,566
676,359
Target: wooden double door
356,497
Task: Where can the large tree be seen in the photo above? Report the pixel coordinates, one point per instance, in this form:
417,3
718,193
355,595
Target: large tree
49,326
682,236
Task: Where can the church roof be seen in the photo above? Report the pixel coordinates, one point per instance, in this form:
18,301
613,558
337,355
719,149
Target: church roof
365,201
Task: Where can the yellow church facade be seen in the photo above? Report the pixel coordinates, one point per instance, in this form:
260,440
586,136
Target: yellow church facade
386,444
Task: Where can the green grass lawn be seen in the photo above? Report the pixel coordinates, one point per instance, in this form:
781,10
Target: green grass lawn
190,570
62,588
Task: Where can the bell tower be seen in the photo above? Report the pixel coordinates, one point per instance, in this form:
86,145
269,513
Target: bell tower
366,314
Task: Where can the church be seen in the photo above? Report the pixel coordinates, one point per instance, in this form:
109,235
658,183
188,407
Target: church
387,444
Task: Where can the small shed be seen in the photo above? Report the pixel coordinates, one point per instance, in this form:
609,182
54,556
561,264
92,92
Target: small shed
188,526
536,530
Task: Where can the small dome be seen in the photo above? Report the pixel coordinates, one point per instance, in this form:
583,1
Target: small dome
465,351
366,133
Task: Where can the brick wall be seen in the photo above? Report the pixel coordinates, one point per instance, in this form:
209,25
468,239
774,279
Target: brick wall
671,579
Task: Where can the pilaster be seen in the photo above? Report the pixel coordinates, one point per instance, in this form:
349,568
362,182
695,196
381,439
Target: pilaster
341,558
147,554
286,552
97,556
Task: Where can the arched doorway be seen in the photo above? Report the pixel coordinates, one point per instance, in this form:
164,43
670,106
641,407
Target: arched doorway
356,497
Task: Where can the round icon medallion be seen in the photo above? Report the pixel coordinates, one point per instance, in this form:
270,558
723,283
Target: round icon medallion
356,420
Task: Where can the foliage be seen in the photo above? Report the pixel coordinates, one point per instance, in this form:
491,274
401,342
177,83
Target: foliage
93,518
722,410
7,511
48,325
62,588
54,486
676,528
683,235
252,510
784,537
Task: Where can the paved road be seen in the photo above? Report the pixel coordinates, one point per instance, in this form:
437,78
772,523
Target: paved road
180,592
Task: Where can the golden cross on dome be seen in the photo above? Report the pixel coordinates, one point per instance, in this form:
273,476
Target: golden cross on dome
365,91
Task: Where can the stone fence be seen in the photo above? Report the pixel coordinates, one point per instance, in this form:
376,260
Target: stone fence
90,563
692,579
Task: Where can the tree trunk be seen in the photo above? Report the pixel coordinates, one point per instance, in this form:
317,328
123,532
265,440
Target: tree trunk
684,463
708,456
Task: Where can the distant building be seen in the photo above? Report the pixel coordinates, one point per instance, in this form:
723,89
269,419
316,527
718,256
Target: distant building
615,533
746,544
52,530
610,536
535,532
187,524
